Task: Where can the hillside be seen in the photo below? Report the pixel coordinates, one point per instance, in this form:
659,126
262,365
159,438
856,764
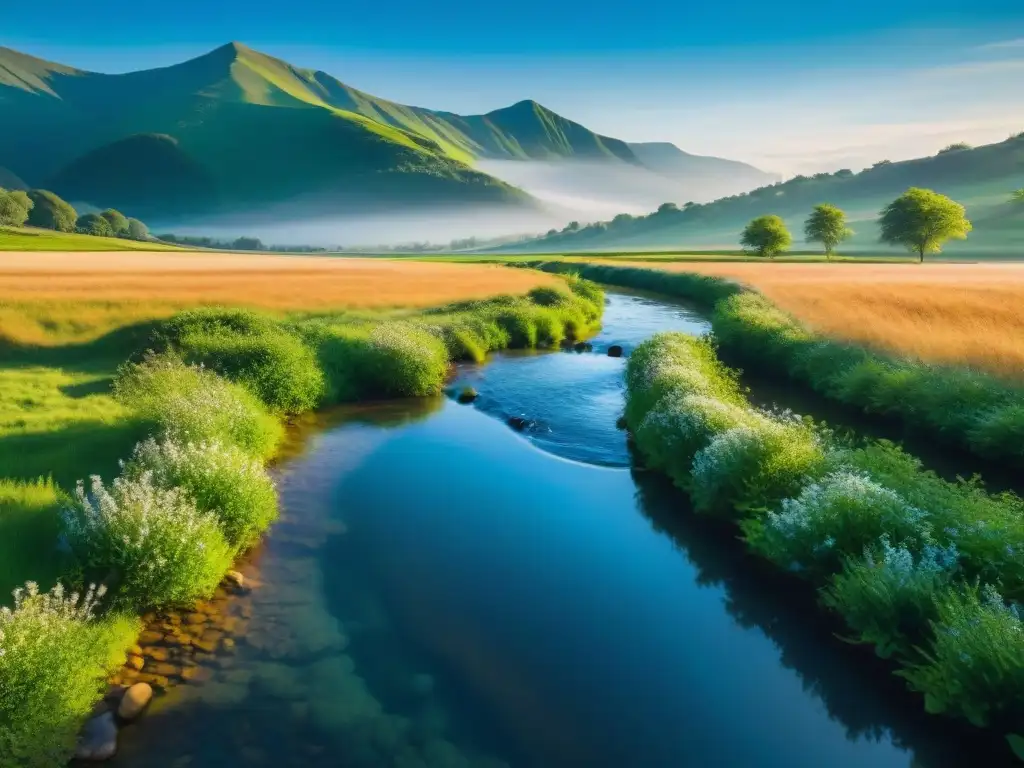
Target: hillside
980,178
251,130
9,181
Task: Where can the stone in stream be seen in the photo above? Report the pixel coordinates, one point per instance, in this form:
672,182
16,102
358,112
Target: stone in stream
98,740
518,423
582,346
467,395
614,351
235,582
134,701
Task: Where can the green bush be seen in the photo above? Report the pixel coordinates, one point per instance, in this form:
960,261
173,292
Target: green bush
51,212
974,666
151,542
94,224
250,349
189,404
752,467
402,360
54,659
888,597
220,479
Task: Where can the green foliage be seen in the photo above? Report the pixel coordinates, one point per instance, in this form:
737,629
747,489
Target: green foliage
190,404
94,224
974,665
958,146
117,221
29,526
250,348
827,225
54,658
220,479
921,220
247,244
14,208
1017,196
150,543
137,230
402,360
766,236
51,212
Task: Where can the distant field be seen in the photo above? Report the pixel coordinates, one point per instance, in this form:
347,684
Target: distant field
29,239
59,297
959,313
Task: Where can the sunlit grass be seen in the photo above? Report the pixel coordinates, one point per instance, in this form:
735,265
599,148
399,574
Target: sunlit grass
32,239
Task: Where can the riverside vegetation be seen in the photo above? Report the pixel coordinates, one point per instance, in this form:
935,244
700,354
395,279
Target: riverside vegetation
977,411
209,388
927,571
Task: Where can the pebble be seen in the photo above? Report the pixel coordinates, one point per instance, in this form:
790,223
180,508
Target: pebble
99,738
134,701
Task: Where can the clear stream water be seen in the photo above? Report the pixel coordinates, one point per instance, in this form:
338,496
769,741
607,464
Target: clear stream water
443,591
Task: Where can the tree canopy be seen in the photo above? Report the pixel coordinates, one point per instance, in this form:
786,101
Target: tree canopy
668,208
118,222
827,225
14,208
137,230
766,236
922,220
248,244
94,224
1017,196
51,212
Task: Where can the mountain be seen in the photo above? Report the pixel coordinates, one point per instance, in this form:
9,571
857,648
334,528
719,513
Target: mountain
713,176
247,131
9,181
981,178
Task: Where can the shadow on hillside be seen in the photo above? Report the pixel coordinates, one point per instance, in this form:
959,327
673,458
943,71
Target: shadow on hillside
96,356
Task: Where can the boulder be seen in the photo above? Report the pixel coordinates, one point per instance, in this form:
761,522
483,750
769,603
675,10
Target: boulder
467,395
98,740
518,423
582,346
134,701
614,351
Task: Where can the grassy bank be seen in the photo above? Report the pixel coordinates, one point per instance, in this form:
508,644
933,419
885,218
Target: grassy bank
926,571
977,411
33,239
202,397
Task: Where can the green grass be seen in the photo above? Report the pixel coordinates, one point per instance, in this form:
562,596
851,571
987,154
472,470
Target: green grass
29,527
31,239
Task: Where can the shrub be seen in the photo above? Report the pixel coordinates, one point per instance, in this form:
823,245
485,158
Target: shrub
118,222
157,547
94,224
998,433
888,596
220,479
974,666
251,349
402,360
54,657
190,404
749,468
833,518
14,208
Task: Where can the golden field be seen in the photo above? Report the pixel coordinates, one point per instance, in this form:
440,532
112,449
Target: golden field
57,297
959,313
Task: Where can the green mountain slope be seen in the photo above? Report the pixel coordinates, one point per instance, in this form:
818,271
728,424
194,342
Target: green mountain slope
8,180
980,178
261,130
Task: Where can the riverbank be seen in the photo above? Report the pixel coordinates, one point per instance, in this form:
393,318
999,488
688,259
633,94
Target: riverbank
979,412
926,571
212,391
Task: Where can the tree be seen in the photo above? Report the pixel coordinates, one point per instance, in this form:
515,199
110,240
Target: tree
827,225
51,212
572,226
117,221
94,224
668,208
766,236
922,220
137,230
14,208
957,147
254,244
1017,196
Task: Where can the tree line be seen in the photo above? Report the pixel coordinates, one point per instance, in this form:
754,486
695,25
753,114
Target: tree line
919,220
43,209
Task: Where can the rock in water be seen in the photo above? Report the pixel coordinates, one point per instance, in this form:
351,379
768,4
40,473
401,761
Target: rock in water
518,423
468,395
135,700
99,738
614,351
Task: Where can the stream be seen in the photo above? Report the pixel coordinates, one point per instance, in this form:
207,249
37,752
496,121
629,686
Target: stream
444,591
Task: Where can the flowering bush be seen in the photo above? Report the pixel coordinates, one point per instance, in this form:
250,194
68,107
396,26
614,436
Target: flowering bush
888,597
192,404
749,468
221,479
975,664
157,547
403,360
833,518
54,657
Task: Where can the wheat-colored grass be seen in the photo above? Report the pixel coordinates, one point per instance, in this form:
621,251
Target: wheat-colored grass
954,313
60,297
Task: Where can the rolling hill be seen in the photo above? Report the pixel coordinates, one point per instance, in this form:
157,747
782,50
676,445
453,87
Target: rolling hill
981,178
243,130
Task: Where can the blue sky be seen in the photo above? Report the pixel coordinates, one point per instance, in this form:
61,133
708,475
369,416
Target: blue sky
790,87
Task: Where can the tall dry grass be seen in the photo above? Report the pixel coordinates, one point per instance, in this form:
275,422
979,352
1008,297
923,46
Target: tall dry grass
956,313
61,297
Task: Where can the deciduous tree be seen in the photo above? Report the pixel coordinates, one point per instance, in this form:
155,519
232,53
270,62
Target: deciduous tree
14,208
921,221
51,212
766,236
94,224
827,225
